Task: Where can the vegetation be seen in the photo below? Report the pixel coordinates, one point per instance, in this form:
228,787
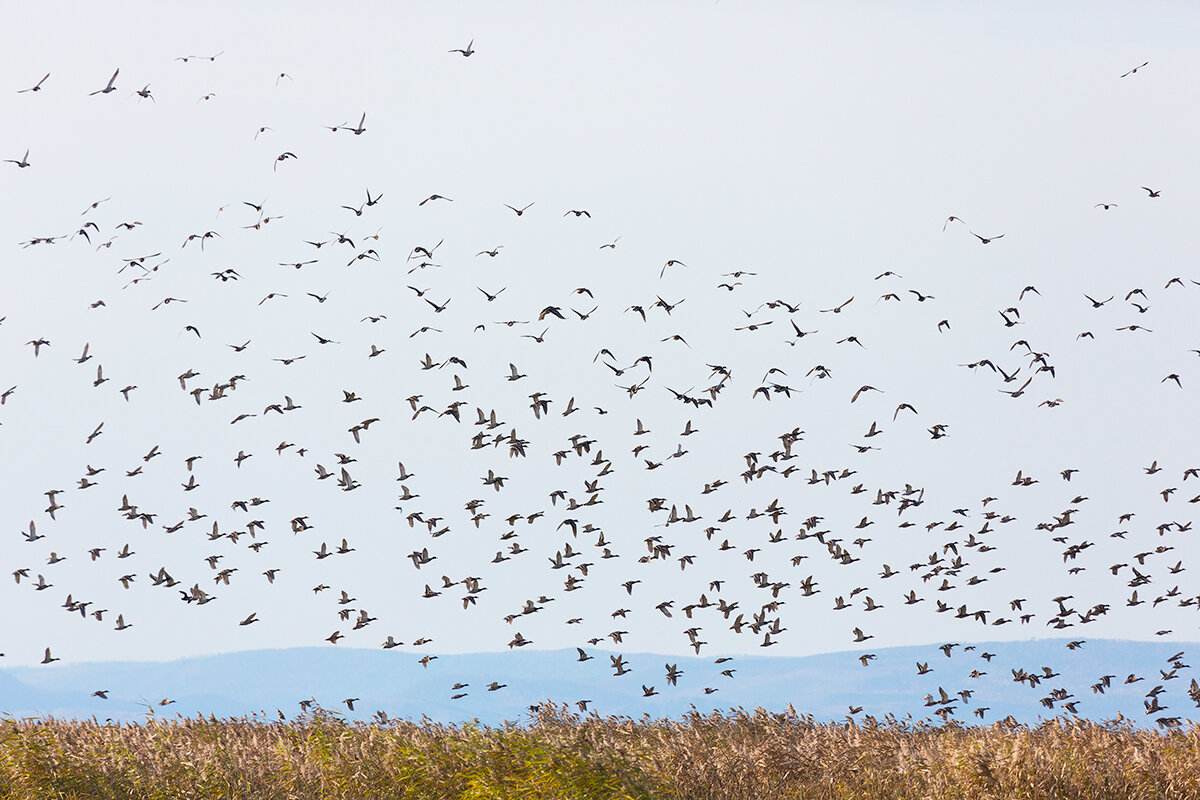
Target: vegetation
558,754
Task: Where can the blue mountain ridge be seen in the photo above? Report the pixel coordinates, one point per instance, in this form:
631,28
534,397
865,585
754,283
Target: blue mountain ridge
825,686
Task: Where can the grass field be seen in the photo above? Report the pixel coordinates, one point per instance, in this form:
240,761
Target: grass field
558,754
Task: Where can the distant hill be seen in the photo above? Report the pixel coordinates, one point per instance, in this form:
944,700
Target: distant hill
826,686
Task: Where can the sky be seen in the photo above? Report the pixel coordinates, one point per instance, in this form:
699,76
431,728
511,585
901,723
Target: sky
732,155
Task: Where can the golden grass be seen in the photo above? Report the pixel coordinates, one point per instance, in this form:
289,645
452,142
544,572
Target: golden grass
753,755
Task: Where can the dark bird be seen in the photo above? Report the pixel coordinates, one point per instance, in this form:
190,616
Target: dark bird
671,263
987,240
36,87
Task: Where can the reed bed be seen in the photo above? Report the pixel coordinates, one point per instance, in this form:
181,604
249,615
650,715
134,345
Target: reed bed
558,754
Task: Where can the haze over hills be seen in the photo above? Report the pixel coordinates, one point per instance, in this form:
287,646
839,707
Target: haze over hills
826,686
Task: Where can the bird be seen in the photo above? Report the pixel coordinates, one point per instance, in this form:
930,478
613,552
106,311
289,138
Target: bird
111,87
865,388
670,263
37,87
22,163
466,52
987,240
837,309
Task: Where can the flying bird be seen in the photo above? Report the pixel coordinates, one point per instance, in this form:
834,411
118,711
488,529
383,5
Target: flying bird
987,240
37,87
22,163
111,87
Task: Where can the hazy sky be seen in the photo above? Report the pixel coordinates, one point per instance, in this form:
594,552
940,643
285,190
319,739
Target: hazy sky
810,147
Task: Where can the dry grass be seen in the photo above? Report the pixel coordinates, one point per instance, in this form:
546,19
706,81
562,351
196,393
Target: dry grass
739,754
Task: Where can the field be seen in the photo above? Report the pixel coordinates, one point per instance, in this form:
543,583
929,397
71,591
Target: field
559,754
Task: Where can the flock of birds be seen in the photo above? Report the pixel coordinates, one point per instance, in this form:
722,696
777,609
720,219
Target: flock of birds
764,550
